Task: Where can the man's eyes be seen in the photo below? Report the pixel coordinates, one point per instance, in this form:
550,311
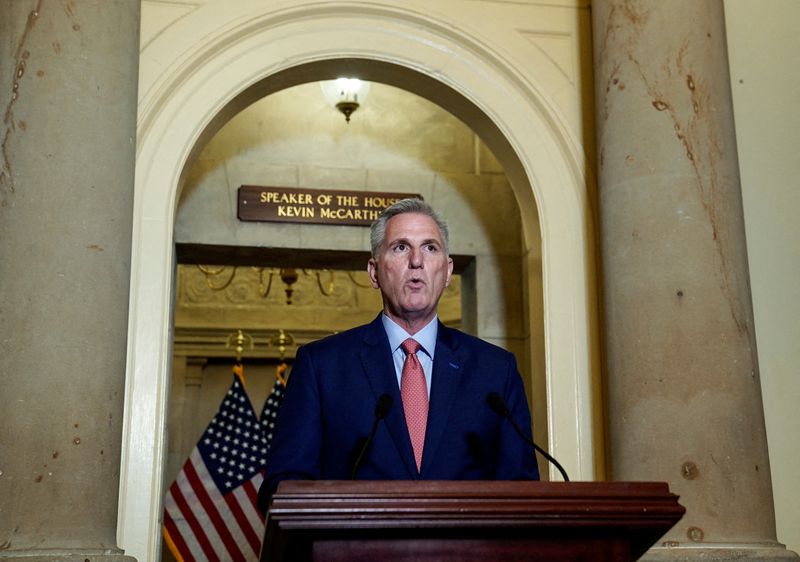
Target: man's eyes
401,247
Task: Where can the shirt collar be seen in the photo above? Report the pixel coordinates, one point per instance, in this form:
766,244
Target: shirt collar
426,337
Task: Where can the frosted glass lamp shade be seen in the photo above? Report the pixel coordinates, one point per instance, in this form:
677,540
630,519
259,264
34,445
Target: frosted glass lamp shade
345,94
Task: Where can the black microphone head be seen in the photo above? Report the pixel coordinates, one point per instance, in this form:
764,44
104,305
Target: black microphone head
383,405
497,404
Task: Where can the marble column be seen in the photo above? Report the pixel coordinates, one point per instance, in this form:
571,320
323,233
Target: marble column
68,88
683,391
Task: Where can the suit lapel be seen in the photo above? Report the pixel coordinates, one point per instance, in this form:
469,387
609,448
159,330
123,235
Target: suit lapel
447,372
376,358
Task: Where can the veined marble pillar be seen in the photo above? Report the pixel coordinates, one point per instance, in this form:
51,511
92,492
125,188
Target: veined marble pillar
68,77
684,398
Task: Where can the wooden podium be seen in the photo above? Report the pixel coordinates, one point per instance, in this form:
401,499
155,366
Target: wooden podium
466,521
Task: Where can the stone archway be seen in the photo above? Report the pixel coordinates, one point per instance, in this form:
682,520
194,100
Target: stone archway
229,64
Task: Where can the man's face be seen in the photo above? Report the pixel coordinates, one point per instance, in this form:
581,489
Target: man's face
412,270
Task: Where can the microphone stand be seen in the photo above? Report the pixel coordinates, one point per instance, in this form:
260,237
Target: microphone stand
499,406
381,411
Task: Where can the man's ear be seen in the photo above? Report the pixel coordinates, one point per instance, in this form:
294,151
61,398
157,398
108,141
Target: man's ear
449,271
372,270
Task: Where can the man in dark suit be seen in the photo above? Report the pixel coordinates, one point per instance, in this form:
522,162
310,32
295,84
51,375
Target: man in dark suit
428,382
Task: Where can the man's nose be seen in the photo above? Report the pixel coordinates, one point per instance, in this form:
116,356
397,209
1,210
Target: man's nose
415,258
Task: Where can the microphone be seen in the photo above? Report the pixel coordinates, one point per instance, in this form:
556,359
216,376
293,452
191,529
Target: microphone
497,404
381,411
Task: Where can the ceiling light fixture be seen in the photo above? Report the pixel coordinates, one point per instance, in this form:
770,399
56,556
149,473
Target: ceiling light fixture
345,94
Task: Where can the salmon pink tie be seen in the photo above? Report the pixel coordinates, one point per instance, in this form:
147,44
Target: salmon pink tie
414,392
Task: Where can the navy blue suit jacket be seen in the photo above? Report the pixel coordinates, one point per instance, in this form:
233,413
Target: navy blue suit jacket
329,408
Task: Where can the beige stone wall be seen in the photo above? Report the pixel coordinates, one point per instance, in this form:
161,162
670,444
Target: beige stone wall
762,48
396,142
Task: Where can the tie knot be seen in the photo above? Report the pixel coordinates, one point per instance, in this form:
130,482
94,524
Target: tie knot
410,346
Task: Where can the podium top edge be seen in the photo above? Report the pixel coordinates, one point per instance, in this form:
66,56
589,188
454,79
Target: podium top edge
470,488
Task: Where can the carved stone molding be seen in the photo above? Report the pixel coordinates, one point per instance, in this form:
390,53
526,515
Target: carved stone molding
214,343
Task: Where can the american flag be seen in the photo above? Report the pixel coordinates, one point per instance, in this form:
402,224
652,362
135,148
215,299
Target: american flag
269,413
210,510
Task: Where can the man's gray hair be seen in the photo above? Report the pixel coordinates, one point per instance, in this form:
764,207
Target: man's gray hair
378,229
